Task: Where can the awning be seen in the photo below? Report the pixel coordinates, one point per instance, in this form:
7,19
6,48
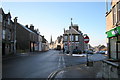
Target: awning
113,32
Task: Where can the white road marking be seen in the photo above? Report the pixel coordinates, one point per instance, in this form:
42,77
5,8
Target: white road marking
61,62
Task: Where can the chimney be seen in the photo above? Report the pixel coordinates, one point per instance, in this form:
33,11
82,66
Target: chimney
31,27
26,26
75,27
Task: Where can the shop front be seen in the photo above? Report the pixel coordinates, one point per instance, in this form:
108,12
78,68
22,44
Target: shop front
114,43
111,66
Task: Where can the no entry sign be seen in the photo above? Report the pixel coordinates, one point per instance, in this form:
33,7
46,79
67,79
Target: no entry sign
86,39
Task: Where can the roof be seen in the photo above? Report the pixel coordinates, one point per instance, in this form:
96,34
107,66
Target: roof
72,30
26,28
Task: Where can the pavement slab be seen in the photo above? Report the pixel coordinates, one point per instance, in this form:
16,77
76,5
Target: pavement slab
81,71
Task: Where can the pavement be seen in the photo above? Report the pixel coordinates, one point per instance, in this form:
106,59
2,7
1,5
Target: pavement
80,71
92,69
6,57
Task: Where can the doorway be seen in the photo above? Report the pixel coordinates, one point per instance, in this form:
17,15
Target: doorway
3,48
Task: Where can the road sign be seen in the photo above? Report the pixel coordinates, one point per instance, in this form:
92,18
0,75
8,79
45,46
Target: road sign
86,39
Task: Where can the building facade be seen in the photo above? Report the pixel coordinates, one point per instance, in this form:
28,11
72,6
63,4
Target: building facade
1,16
45,44
39,43
59,43
26,38
111,67
7,33
73,38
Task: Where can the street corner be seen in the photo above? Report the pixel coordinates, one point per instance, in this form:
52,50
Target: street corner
80,71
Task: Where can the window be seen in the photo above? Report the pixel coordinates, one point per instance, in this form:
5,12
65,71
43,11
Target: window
9,35
65,38
118,12
76,37
114,16
113,47
8,21
0,17
3,34
71,38
4,22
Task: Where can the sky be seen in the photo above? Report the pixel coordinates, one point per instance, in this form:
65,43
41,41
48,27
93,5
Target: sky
52,17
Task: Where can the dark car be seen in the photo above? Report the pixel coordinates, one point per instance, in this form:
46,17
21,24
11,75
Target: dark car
76,51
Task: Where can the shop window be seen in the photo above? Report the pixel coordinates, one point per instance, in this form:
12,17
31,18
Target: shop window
113,48
118,47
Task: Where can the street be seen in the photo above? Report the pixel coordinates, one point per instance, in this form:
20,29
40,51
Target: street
39,64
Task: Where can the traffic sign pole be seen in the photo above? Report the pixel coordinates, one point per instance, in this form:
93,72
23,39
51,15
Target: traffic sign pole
86,40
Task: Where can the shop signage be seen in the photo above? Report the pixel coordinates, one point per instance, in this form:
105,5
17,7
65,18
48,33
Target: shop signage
113,32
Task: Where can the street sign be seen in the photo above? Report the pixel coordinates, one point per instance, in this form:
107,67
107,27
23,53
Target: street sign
86,39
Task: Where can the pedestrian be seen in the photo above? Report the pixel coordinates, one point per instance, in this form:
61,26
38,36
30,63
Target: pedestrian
63,50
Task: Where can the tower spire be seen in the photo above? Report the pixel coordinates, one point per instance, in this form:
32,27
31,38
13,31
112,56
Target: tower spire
71,22
51,39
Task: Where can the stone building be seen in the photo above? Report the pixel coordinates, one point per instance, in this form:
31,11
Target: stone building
26,38
1,16
111,67
45,44
73,38
59,43
7,33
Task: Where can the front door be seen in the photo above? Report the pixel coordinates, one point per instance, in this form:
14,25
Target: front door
3,48
118,49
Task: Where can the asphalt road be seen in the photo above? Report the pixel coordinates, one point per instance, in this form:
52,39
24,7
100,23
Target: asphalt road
38,65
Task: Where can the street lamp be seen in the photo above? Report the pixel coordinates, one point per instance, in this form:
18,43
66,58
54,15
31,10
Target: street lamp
71,35
15,22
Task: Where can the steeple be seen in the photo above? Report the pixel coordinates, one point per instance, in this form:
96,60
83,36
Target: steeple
71,22
51,39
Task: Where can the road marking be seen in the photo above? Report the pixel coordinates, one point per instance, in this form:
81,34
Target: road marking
61,62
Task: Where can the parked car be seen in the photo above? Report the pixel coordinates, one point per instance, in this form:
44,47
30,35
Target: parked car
76,51
89,52
102,52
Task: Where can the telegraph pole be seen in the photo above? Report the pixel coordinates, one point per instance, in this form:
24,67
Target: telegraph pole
15,25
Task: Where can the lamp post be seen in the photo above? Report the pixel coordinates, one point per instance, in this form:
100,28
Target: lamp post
15,24
71,36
